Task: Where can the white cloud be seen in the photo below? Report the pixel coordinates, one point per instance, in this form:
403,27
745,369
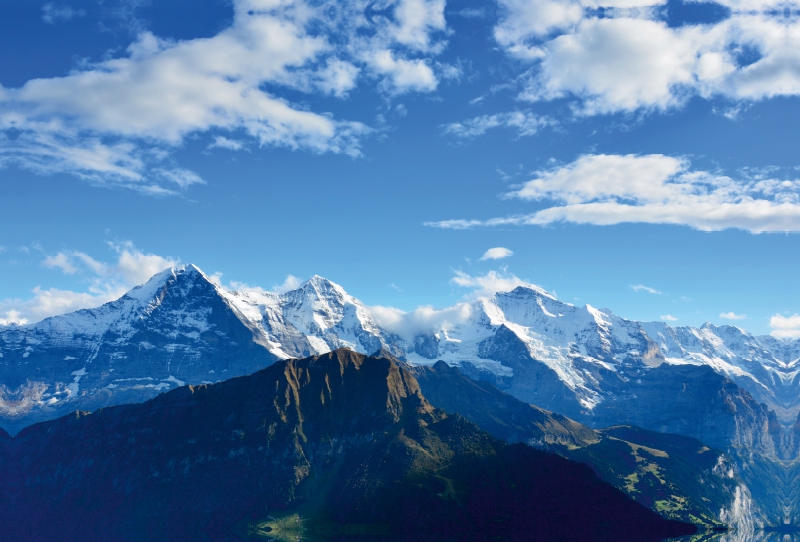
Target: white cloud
106,282
497,253
225,143
136,267
291,283
669,318
655,189
643,288
525,122
51,13
118,121
629,59
733,316
427,319
421,320
785,327
62,262
488,284
403,75
12,317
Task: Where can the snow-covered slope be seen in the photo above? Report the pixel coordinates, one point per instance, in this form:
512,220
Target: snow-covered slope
314,319
584,362
178,328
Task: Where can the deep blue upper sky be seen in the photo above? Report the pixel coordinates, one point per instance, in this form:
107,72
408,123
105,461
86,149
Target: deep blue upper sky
627,154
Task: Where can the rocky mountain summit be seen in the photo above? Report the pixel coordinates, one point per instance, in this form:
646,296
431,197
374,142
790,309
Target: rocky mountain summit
718,384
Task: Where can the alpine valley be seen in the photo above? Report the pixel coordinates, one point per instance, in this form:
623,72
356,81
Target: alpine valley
701,425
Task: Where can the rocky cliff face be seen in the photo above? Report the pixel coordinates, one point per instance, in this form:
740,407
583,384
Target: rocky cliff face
339,441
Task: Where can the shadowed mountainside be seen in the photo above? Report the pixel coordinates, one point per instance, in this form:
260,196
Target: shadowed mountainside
677,476
339,439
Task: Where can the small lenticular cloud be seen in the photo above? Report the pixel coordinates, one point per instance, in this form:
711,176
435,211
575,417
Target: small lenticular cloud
643,288
669,318
732,316
497,253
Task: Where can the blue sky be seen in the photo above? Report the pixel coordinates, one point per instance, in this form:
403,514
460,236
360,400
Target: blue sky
629,154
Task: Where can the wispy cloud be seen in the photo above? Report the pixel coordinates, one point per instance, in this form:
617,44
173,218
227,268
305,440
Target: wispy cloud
525,122
733,316
473,13
497,253
290,283
118,121
657,189
669,318
643,288
223,142
53,13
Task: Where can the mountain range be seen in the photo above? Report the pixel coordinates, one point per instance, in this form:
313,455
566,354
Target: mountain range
734,392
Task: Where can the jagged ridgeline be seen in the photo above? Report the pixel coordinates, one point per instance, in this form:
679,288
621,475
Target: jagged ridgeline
328,445
736,393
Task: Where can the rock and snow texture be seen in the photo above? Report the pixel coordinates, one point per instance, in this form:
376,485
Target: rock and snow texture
590,364
178,328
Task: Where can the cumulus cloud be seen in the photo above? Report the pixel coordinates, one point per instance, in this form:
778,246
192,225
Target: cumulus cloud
525,122
118,120
669,318
106,282
733,316
627,58
785,327
497,253
656,189
643,288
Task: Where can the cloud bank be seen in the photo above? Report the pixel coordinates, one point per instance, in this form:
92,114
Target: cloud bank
118,121
626,57
605,189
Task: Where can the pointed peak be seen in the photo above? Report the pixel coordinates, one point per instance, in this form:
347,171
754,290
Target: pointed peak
322,285
317,280
532,290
